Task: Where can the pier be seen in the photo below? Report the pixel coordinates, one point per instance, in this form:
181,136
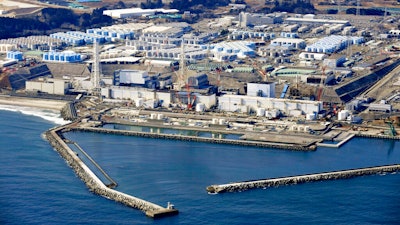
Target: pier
275,182
55,137
254,143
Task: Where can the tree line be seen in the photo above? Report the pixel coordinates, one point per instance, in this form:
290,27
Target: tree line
50,20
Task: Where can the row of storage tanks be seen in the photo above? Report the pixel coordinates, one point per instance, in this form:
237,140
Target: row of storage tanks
68,56
17,55
241,35
33,42
333,43
114,34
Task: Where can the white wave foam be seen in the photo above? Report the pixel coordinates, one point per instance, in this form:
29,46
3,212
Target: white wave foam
46,114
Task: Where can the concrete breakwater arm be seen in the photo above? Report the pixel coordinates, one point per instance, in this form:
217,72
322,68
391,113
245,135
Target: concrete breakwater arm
198,139
275,182
95,184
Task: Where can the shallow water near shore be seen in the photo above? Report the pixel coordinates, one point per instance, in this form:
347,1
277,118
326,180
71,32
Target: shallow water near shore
39,188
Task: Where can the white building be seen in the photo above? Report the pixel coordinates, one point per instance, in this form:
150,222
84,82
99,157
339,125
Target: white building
151,98
50,86
296,43
262,89
248,104
254,19
127,77
312,56
135,12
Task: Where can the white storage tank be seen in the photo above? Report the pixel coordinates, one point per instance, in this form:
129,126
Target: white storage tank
214,121
310,116
200,107
153,116
260,112
306,129
160,116
139,102
222,121
342,115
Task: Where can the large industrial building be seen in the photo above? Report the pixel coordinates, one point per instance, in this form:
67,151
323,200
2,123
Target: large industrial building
50,86
250,104
251,19
261,89
148,98
130,77
136,12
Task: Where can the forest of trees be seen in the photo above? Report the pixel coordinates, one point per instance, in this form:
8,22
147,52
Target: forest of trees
50,20
197,6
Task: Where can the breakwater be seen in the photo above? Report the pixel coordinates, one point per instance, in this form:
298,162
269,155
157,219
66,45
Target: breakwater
275,182
377,136
198,139
55,138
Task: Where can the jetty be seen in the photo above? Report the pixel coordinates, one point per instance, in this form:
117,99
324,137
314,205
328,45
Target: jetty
244,141
291,180
56,139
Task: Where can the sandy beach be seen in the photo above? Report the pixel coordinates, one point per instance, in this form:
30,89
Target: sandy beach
32,102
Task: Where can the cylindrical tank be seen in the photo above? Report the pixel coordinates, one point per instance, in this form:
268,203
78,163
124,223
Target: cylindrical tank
222,121
200,107
139,102
342,115
306,129
160,116
260,112
214,121
153,116
310,116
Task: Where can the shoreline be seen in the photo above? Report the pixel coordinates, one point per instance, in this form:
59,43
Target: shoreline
32,102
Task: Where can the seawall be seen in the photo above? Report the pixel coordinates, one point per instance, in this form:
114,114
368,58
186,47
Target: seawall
378,136
275,182
198,139
55,137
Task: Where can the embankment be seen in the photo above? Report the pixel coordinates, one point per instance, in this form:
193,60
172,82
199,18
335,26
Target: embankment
275,182
55,137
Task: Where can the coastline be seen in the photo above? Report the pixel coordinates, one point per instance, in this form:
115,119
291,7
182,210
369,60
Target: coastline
33,102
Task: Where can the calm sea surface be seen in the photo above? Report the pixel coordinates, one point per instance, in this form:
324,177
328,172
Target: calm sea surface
37,186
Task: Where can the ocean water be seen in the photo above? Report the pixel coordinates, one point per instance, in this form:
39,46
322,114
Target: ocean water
37,186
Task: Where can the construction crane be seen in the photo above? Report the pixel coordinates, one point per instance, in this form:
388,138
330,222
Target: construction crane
260,71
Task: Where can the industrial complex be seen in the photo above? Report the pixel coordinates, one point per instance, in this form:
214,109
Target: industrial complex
282,80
